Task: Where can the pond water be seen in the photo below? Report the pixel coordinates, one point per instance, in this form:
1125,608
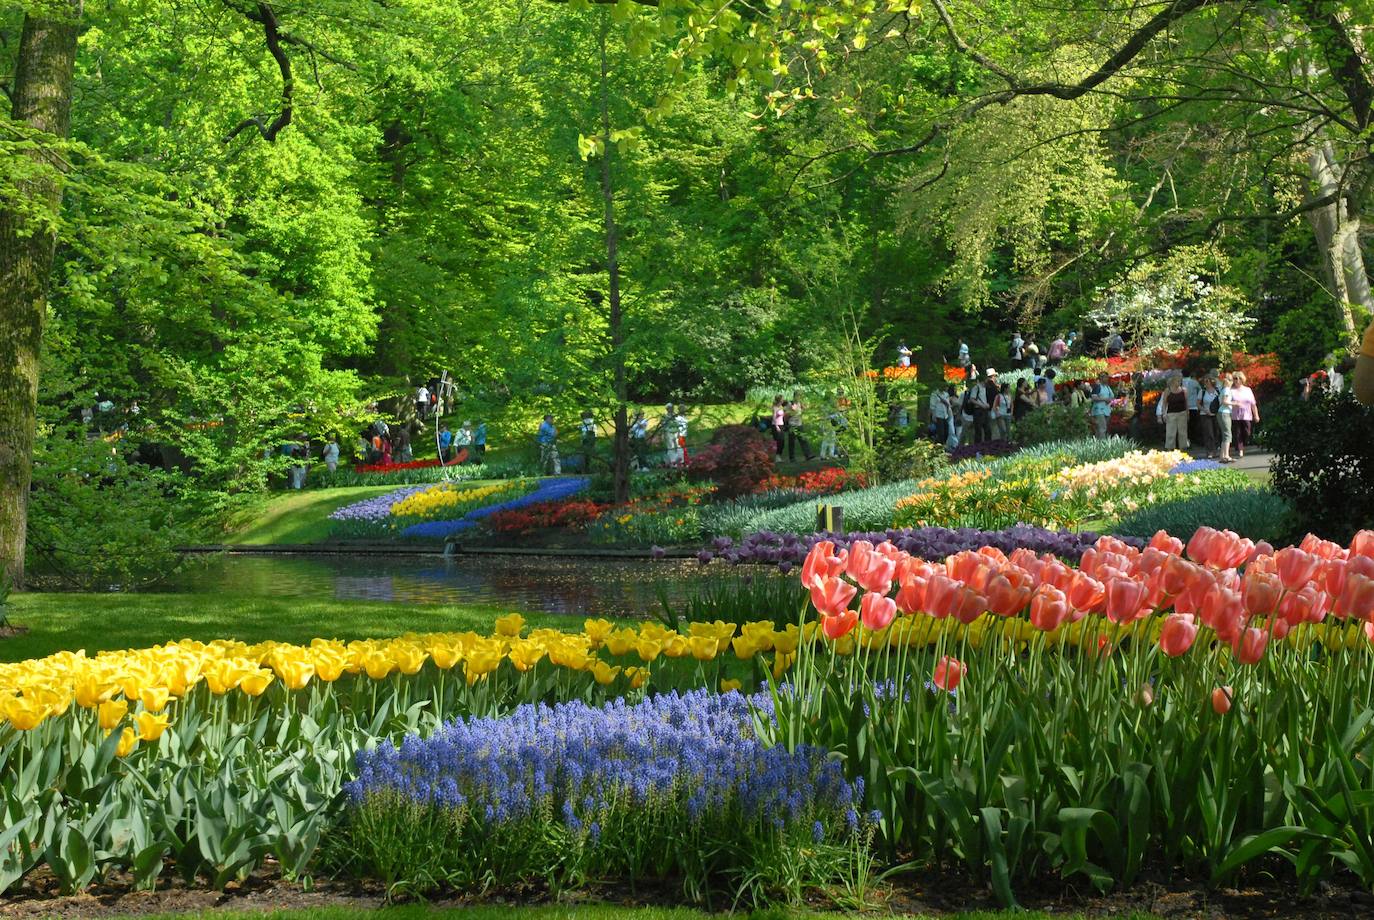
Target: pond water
574,586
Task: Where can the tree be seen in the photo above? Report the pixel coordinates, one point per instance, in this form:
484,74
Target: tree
41,114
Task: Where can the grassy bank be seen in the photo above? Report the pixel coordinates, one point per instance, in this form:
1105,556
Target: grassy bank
102,622
297,517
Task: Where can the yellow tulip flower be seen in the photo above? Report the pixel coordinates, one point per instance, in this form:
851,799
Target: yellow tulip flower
703,648
91,691
409,658
603,672
675,646
597,631
787,640
112,712
445,654
24,713
294,673
510,625
150,726
727,685
745,647
638,677
378,665
329,664
648,649
622,642
255,682
128,740
479,664
525,655
154,699
781,663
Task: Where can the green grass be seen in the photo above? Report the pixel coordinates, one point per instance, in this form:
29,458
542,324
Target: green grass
298,517
103,622
570,912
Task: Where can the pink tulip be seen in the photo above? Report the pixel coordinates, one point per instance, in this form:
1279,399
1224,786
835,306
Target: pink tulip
939,601
877,611
1323,548
1250,644
1357,597
838,625
1165,543
821,563
911,598
876,575
949,673
832,595
969,605
1223,610
1362,544
1200,545
1006,598
1221,700
1177,634
1296,568
1049,608
860,556
1333,576
1262,548
1125,600
1261,592
1086,594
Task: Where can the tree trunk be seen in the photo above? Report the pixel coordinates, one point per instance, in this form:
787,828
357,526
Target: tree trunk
42,93
621,451
1338,241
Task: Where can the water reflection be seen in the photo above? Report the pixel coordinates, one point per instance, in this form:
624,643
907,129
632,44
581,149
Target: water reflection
575,586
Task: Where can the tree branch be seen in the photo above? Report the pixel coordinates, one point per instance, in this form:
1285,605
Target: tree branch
267,17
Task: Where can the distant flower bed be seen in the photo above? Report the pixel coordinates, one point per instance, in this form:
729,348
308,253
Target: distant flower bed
998,448
570,514
825,481
396,512
395,467
548,490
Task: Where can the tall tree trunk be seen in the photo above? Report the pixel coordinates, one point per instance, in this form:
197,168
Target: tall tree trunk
42,93
621,451
1338,241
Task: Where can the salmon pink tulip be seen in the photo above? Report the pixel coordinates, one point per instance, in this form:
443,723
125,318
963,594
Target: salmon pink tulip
1357,598
911,597
1200,545
1049,608
1221,700
838,625
995,554
1262,548
877,575
1177,634
949,673
877,611
832,595
822,562
1250,644
1323,548
1126,600
1165,543
1086,594
1006,598
1333,576
1223,610
1362,544
940,601
1261,592
1296,568
969,605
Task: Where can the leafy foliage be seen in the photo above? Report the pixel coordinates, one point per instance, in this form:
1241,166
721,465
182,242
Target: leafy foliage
737,460
1323,462
1054,422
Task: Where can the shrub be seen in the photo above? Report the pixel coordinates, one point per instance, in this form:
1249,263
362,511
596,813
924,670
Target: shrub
737,460
1324,462
1257,513
983,449
1051,423
899,457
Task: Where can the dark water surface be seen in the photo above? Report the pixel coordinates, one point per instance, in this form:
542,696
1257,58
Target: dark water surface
575,586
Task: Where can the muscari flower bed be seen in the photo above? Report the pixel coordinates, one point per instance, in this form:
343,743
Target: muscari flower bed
673,787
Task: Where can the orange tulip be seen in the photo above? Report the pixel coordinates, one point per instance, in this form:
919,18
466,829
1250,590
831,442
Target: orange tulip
1250,644
1006,598
1049,608
940,598
911,597
838,625
1362,544
1125,600
832,595
1167,544
1221,700
822,563
1086,593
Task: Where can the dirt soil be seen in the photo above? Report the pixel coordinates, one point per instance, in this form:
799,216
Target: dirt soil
933,894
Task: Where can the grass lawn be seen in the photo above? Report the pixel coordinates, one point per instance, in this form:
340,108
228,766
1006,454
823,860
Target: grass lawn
299,517
102,622
572,912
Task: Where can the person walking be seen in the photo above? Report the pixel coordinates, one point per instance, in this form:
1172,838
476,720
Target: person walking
331,454
1100,410
1224,418
1244,413
1208,403
1173,412
1192,385
1024,404
796,432
587,430
462,442
445,444
1059,350
422,402
547,438
941,403
903,354
975,413
779,426
639,441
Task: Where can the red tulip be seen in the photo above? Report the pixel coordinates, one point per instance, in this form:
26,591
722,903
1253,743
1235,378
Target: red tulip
1221,700
1177,634
877,611
1049,608
1250,644
949,673
838,625
1125,598
1296,568
1362,544
1165,543
822,562
832,595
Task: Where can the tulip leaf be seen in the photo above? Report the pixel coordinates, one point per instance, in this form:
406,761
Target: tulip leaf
1252,847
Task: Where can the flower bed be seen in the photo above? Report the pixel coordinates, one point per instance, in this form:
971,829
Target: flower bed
396,467
674,787
547,490
570,514
828,481
983,449
397,512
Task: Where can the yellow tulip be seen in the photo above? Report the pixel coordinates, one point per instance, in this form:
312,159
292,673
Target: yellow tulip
703,647
128,740
479,664
112,712
445,654
409,658
781,663
150,726
154,699
24,713
727,685
603,672
622,642
637,676
90,692
295,673
744,647
255,682
378,665
525,655
56,700
510,625
569,656
329,664
675,646
597,631
787,640
648,649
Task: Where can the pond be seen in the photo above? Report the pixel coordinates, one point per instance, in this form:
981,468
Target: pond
569,585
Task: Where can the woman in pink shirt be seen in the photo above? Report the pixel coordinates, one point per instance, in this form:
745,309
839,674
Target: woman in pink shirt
1244,412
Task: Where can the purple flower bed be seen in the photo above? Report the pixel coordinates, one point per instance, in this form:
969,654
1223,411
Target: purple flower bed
678,776
547,490
377,508
983,449
786,550
1195,466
